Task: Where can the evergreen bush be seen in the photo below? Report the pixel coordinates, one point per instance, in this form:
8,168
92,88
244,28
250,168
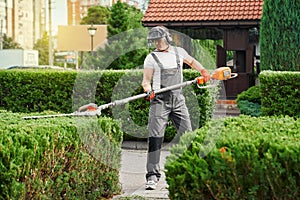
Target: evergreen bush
63,158
252,94
280,35
280,93
249,101
249,108
237,158
66,91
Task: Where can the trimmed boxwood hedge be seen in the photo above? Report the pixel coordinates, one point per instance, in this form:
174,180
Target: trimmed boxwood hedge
280,93
252,94
59,158
65,91
249,101
237,158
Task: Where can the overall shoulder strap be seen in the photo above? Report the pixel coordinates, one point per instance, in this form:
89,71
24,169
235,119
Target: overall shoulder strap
157,60
177,58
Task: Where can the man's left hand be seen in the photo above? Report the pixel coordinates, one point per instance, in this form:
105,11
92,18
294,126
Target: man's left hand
150,95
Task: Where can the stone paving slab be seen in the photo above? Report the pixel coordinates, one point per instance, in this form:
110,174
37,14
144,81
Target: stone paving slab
132,176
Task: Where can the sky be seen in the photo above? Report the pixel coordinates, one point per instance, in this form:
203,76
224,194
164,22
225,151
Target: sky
59,14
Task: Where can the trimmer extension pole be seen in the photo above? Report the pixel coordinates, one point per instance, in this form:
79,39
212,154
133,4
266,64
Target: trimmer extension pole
139,96
97,110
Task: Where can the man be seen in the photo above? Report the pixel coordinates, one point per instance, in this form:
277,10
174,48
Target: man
163,68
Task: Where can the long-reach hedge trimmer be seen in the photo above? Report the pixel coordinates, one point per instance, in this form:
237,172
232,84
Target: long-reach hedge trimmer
91,109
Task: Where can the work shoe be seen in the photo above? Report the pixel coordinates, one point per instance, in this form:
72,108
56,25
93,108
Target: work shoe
151,185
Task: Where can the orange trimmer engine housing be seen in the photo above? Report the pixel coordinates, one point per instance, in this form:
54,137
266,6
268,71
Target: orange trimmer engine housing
222,73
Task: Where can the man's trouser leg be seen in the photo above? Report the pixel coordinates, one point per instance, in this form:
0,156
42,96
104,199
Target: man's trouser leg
158,119
180,115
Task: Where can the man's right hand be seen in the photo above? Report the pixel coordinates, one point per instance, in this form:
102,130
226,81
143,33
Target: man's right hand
150,95
205,75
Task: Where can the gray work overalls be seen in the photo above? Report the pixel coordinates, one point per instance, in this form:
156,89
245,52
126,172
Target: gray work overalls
169,104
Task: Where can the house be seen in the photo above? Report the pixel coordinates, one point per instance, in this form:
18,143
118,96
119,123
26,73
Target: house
236,22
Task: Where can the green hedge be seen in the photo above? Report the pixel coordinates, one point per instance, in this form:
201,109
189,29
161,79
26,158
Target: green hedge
249,108
65,158
280,93
253,158
279,49
249,101
65,91
36,90
252,94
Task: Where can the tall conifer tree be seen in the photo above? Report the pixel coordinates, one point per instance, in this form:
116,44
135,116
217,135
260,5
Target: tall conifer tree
280,35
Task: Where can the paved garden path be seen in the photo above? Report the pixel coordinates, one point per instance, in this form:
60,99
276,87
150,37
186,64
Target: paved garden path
133,170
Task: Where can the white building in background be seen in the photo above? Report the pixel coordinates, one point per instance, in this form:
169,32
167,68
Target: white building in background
40,18
23,20
23,23
2,16
3,19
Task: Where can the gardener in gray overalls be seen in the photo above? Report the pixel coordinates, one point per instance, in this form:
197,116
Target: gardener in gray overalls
163,68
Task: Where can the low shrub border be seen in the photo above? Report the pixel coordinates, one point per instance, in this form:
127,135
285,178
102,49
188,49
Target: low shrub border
65,91
249,101
249,108
280,93
59,158
252,94
253,158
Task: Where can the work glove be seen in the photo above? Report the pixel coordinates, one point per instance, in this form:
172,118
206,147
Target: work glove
150,95
205,75
200,80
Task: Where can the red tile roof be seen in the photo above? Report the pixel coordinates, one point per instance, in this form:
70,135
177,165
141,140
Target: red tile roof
202,10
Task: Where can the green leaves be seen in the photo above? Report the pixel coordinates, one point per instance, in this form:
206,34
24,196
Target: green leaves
279,36
280,93
47,158
66,91
254,158
96,15
249,108
249,101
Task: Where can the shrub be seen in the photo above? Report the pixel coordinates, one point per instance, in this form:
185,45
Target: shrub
65,158
280,49
280,93
237,158
249,108
36,90
66,91
252,94
249,101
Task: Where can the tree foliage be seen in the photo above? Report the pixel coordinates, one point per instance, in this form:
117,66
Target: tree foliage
122,18
126,46
42,45
9,43
126,50
280,35
96,15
